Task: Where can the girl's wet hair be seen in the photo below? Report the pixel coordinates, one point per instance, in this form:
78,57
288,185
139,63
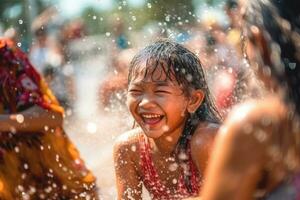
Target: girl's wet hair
279,22
177,61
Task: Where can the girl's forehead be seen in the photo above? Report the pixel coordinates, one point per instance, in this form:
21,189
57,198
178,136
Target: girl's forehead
153,72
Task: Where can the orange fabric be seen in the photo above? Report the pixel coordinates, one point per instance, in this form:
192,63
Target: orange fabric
43,165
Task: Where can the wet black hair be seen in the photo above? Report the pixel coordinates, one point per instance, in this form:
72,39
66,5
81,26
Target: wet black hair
279,22
179,62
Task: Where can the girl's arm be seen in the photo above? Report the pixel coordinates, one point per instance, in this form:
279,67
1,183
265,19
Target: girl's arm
201,146
237,161
129,184
31,120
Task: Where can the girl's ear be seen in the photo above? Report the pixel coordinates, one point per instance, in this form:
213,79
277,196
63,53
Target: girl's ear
195,100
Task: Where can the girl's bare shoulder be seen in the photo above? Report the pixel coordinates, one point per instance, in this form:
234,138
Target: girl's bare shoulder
129,138
205,130
204,136
128,142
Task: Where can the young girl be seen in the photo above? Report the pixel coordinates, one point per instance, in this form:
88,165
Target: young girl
170,101
257,153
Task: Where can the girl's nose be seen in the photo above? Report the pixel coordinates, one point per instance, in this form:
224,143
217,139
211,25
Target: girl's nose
146,102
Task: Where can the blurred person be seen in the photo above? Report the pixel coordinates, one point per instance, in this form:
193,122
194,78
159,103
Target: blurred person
114,87
121,38
61,84
37,159
45,51
256,154
169,99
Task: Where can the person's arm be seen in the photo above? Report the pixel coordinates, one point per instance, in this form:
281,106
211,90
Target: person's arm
129,184
237,161
31,119
201,147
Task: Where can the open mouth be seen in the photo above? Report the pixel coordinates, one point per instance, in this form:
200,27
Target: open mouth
151,119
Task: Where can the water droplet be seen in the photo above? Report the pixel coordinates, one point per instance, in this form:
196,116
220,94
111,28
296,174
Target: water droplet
26,166
149,5
189,78
91,127
173,167
20,21
292,65
17,150
133,148
169,139
20,118
167,18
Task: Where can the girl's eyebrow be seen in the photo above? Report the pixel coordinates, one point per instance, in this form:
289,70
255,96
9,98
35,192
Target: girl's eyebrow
162,83
156,83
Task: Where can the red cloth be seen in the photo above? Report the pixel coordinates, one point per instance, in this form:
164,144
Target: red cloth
154,185
21,85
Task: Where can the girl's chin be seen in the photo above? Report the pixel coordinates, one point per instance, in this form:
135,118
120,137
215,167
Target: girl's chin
153,134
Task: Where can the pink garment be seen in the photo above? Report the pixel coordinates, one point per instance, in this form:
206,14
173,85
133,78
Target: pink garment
154,185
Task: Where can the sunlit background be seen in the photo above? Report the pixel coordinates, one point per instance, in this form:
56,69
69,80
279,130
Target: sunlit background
83,48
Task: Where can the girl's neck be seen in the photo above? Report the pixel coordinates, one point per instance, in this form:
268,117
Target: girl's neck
166,144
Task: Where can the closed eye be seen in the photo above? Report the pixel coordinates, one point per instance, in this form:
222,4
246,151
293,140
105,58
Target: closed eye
163,91
135,91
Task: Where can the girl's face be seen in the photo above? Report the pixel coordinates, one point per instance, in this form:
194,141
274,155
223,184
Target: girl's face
157,103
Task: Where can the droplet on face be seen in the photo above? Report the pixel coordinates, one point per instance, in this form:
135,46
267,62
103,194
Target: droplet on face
165,128
169,139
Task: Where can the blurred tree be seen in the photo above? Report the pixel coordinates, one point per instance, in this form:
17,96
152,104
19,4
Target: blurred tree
19,15
96,21
174,12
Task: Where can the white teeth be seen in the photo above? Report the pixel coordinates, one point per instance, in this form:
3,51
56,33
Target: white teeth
151,116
